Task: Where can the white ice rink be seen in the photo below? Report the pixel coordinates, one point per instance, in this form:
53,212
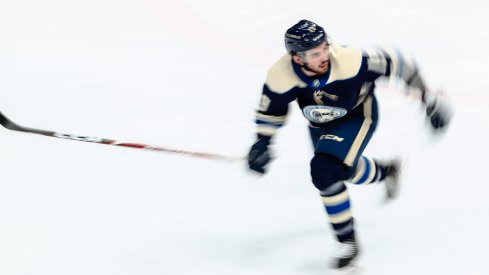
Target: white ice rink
188,75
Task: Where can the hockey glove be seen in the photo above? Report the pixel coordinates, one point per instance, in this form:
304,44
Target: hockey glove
259,156
438,113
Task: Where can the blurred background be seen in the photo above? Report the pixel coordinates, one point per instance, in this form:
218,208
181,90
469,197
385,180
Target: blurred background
188,75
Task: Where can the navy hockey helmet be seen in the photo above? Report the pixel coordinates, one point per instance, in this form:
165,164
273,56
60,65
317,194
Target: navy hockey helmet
304,36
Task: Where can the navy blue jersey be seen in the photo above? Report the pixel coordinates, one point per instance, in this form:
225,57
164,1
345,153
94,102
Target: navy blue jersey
348,82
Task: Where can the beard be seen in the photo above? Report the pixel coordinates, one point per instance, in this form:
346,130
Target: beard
321,69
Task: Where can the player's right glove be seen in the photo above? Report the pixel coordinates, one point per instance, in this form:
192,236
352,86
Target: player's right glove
259,155
438,113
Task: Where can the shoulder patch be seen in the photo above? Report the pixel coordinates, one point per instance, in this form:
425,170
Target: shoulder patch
345,62
281,76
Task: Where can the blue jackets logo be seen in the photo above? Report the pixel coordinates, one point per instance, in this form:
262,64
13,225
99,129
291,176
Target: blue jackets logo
318,96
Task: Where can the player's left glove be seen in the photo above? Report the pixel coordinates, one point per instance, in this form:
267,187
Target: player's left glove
438,113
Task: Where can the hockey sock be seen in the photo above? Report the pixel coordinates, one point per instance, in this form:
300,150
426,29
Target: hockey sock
337,204
368,171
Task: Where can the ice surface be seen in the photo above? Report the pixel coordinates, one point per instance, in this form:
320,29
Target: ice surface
188,74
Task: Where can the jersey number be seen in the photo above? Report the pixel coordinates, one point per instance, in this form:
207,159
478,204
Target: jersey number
264,103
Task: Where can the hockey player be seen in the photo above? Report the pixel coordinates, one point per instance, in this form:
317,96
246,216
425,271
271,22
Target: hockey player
334,87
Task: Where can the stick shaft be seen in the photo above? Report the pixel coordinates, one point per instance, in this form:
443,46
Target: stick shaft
9,124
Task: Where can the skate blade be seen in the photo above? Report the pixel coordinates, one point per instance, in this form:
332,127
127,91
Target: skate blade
347,270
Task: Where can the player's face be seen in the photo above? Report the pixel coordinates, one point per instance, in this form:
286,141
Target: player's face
317,59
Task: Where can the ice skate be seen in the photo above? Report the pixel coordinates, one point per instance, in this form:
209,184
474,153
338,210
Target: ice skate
392,180
345,255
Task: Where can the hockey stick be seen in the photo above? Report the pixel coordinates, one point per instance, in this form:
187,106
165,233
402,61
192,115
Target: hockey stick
9,124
